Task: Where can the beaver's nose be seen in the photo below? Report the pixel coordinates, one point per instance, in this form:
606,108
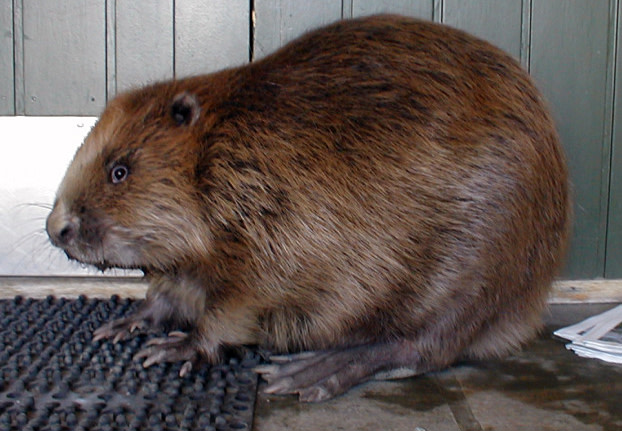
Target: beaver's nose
61,226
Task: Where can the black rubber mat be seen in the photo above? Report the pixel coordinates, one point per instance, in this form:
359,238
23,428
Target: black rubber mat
54,377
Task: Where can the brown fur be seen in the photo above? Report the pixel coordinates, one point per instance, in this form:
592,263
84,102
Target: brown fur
376,181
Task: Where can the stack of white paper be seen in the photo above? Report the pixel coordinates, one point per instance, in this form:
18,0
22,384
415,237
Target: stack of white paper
599,336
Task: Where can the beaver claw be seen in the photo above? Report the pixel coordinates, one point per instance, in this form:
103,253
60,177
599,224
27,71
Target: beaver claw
177,346
119,329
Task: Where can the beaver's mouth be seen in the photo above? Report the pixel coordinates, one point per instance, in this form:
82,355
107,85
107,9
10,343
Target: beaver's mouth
102,258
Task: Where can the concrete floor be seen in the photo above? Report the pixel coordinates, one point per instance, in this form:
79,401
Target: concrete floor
544,387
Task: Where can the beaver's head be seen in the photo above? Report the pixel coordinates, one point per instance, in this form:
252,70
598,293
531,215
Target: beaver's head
129,197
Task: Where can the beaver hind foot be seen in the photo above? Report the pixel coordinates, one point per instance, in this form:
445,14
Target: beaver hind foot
322,375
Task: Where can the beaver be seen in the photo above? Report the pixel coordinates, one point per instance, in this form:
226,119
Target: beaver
381,197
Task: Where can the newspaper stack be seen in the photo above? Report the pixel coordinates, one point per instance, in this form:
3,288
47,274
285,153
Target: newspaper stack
598,337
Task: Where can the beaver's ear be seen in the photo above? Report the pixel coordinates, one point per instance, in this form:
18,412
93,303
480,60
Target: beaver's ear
185,109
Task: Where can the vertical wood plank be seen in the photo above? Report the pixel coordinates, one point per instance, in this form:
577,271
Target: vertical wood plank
570,60
497,21
416,8
18,57
7,88
613,261
210,35
346,8
64,57
111,49
144,53
279,21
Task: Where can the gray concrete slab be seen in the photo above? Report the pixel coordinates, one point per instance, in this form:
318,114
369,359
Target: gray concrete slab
406,405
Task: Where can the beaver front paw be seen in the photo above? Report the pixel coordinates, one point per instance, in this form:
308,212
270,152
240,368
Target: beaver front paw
177,346
120,329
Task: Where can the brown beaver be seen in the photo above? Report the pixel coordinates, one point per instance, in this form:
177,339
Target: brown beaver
386,193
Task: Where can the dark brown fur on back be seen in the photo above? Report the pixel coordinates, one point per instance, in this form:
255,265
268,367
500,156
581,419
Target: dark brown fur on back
376,180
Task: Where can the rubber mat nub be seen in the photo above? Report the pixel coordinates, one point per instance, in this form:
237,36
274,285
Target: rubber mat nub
54,377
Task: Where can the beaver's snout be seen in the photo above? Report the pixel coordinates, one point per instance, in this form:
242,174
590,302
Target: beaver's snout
62,228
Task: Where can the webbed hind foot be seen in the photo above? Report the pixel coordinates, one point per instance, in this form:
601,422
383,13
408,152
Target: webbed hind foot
321,375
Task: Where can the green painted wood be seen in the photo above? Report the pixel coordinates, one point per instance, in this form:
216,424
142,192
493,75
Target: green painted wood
111,49
144,52
497,21
279,21
613,262
7,88
210,35
416,8
64,57
570,61
18,57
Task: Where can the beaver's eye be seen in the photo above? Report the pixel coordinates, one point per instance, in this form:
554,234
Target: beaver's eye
119,173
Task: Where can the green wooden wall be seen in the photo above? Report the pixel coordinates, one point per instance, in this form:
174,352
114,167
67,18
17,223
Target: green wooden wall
67,57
